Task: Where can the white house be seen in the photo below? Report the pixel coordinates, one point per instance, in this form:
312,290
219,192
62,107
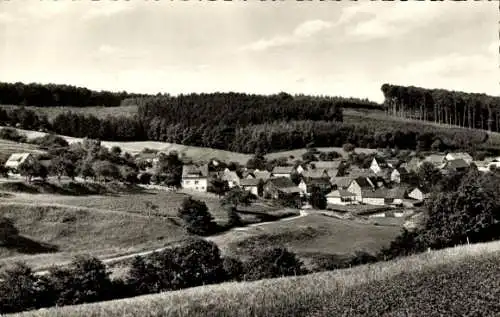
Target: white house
251,185
195,177
300,169
17,159
340,197
231,177
377,166
283,171
459,155
374,197
418,194
306,185
358,185
399,174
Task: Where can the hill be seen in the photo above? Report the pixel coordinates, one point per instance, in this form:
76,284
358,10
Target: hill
460,281
54,233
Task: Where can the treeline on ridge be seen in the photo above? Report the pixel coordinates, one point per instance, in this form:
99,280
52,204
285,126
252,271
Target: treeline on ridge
52,95
471,110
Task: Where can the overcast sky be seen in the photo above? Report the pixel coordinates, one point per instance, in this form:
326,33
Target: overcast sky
334,48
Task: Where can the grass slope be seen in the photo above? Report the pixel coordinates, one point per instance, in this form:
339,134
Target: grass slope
460,281
73,230
310,237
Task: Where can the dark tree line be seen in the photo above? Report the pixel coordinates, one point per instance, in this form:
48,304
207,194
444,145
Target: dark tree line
52,95
471,110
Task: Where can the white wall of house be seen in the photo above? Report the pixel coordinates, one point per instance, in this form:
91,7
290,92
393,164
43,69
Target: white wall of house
300,169
416,194
198,184
303,188
253,189
375,167
378,215
374,201
288,175
355,189
395,176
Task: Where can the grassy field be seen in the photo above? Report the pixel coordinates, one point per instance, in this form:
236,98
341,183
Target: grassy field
310,236
9,147
100,112
52,233
460,281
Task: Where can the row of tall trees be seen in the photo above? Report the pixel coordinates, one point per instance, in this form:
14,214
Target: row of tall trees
52,95
471,110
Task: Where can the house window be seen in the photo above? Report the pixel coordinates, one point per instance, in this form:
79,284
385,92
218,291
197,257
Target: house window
196,182
188,182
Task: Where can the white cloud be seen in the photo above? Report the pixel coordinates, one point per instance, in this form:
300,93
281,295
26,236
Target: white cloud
301,33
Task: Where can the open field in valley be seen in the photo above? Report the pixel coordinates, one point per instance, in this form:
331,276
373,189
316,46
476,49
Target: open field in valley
459,281
310,236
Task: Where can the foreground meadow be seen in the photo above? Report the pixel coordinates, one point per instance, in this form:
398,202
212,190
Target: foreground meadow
461,281
51,234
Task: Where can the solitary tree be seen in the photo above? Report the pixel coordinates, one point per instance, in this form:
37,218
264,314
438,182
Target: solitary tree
237,196
196,217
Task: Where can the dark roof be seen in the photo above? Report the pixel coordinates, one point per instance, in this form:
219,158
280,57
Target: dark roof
459,163
363,182
315,173
317,181
341,182
340,193
249,182
265,175
397,192
379,193
282,182
327,164
283,170
193,171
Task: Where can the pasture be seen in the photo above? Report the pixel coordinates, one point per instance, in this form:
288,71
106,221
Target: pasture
52,234
437,283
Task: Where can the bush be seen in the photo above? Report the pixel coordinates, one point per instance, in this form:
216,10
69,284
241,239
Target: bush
348,147
18,289
196,217
51,141
273,262
234,269
12,135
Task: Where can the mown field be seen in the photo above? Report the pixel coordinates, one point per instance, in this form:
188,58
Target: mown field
460,281
52,233
310,237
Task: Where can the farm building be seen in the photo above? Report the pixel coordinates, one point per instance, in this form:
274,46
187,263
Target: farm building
17,159
195,177
283,171
399,175
360,184
459,156
438,160
315,174
340,182
231,177
418,194
306,185
332,172
413,164
374,197
378,165
300,169
396,196
264,175
340,197
326,164
251,185
281,187
458,165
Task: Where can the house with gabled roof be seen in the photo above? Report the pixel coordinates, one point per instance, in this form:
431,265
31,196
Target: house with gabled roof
459,155
437,160
195,177
263,175
315,173
307,184
396,195
231,177
458,165
374,197
399,175
17,159
340,182
418,193
325,165
360,184
282,171
251,185
340,197
281,187
378,165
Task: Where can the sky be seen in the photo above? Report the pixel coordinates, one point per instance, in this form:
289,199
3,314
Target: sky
322,48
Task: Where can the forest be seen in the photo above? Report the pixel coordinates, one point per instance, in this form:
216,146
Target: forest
249,123
470,110
52,95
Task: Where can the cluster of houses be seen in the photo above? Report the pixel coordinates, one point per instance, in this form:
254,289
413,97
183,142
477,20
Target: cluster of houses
383,183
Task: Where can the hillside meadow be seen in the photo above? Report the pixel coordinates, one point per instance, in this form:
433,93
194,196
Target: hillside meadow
461,281
54,234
